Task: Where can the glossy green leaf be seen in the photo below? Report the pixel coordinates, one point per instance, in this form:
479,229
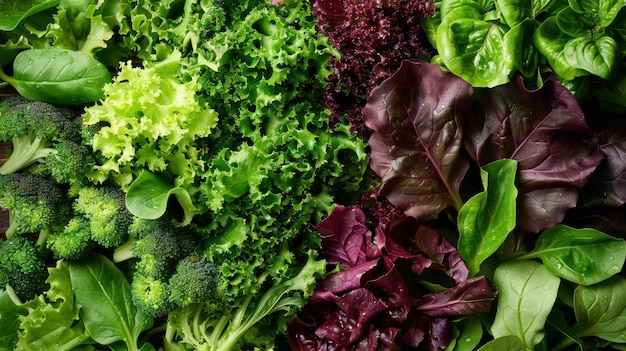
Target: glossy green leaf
509,343
473,49
487,218
515,12
526,294
597,56
148,197
584,256
601,309
603,12
58,76
519,42
107,309
551,41
13,12
572,23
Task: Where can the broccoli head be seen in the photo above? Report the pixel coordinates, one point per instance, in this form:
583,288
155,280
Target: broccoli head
34,203
22,267
69,163
34,128
151,295
73,241
105,208
196,280
158,244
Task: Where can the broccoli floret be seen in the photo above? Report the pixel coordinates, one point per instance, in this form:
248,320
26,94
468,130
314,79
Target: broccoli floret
34,128
105,208
35,204
74,241
158,245
22,267
196,280
151,295
69,163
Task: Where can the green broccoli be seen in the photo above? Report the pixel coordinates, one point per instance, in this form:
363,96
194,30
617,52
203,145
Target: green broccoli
105,208
158,245
73,241
34,128
35,204
68,164
151,295
196,280
22,268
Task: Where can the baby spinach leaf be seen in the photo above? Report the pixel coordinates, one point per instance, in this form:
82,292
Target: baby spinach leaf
107,309
601,309
584,256
417,144
58,76
526,294
13,12
508,342
487,218
148,196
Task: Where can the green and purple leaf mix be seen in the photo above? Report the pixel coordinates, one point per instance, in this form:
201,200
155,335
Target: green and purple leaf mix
326,175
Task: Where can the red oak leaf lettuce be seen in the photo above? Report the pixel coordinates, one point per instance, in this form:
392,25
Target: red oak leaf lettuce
377,302
546,132
417,145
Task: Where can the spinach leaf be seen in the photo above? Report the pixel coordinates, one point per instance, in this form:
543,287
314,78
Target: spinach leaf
527,293
107,309
148,196
58,76
601,309
508,342
487,218
584,256
13,12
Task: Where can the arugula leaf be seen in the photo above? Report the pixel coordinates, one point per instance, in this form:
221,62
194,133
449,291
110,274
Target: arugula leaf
487,218
417,145
527,292
107,309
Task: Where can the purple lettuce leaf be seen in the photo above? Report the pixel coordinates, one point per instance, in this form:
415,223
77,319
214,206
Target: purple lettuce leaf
546,132
343,236
417,144
469,297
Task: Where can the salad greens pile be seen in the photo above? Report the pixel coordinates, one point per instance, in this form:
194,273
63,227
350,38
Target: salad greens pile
316,175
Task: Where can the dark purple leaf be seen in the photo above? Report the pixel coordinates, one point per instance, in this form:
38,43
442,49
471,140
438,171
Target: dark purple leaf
346,279
417,145
469,297
545,131
442,252
343,233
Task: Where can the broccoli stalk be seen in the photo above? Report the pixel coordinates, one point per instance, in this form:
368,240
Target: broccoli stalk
34,128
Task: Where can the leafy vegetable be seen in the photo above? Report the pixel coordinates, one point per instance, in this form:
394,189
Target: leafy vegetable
58,75
600,309
107,309
13,12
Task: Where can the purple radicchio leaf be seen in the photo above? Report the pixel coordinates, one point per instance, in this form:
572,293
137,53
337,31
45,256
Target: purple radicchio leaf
472,296
417,144
607,185
546,132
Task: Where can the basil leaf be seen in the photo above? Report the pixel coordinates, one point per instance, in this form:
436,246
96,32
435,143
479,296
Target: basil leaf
13,12
601,309
107,308
148,196
487,218
551,41
58,76
573,23
526,294
599,56
584,256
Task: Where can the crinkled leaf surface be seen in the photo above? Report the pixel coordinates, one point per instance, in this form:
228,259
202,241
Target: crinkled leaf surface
417,146
546,132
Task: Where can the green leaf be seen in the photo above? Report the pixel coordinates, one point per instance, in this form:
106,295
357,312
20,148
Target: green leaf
509,342
601,309
526,294
474,50
487,218
471,333
58,76
148,197
515,12
13,12
597,56
584,256
551,42
572,23
519,42
107,309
